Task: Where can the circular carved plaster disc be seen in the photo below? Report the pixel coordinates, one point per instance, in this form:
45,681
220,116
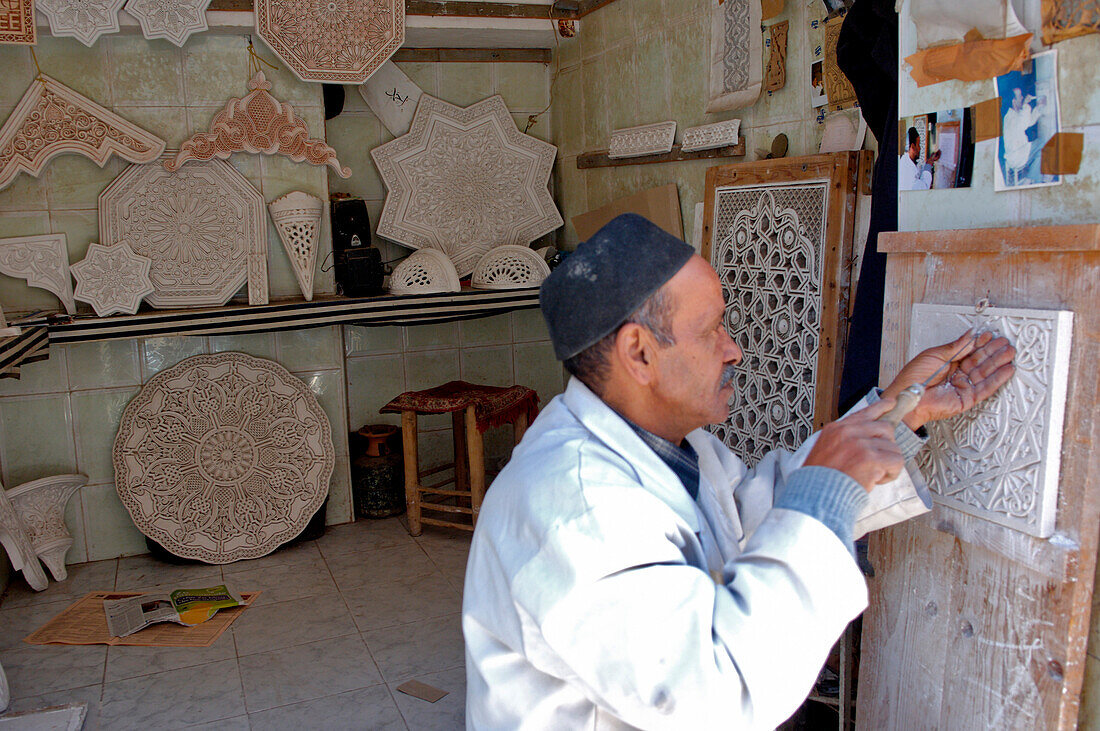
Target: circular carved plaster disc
223,457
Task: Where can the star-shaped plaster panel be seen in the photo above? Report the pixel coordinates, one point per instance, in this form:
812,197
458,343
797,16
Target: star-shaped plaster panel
84,20
464,181
112,279
172,20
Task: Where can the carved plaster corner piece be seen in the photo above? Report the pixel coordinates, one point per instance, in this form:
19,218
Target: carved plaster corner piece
52,119
647,139
202,226
776,76
84,20
112,279
172,20
337,42
40,504
17,544
257,123
297,218
711,136
41,260
17,28
465,180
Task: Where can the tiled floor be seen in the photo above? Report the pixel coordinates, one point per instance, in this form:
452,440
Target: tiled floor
342,622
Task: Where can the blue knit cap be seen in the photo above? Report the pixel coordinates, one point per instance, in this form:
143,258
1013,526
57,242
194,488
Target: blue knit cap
606,279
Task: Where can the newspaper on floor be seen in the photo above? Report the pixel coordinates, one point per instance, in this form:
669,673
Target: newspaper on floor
182,606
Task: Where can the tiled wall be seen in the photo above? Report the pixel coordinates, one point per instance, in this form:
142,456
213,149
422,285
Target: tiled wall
643,61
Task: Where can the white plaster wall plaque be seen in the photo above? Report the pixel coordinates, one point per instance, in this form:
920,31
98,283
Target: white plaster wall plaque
112,279
736,72
944,22
202,226
17,544
464,181
1000,461
41,260
223,457
332,41
712,136
260,124
646,139
172,20
769,252
297,218
17,27
392,96
40,504
52,119
510,267
84,20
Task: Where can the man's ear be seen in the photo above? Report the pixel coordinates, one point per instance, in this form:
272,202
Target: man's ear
635,350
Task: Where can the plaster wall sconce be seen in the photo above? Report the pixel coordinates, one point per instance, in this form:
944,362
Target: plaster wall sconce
40,504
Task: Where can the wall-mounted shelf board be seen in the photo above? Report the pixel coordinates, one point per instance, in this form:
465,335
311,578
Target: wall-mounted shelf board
292,314
599,158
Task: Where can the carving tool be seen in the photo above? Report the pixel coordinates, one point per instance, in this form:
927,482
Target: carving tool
908,399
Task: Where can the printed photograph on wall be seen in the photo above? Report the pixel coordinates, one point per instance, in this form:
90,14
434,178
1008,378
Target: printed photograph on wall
937,150
1029,118
817,85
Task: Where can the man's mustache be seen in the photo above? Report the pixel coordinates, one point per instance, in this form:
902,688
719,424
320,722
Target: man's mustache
729,372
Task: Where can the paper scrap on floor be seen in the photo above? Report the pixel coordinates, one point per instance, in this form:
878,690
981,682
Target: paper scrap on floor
182,606
423,691
85,623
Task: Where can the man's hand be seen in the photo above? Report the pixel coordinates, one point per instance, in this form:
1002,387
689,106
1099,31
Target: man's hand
973,375
860,447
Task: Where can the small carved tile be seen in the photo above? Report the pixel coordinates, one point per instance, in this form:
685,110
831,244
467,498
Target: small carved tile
17,22
711,136
84,20
172,20
646,139
112,279
41,260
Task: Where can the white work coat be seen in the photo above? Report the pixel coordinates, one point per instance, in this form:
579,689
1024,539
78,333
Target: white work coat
589,601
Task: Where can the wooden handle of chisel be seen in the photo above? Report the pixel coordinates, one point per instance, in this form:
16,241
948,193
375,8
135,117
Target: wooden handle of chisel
907,401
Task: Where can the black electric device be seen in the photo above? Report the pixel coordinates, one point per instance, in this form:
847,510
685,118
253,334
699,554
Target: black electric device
359,269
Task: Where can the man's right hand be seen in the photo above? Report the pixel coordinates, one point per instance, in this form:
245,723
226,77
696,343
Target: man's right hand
860,447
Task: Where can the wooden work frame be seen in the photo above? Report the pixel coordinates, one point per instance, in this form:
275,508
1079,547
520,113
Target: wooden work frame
972,624
841,175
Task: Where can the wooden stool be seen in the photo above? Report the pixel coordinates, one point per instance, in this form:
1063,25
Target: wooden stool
455,502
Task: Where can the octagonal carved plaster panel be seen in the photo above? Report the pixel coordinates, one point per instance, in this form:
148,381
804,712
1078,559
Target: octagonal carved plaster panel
172,20
332,41
464,181
202,226
223,457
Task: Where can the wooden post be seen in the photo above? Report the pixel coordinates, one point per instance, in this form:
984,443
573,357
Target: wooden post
458,430
476,452
519,427
412,479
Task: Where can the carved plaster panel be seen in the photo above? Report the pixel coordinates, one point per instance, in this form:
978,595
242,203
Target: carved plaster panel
41,260
257,123
1000,461
464,181
332,41
736,72
17,27
297,218
112,279
711,136
776,77
17,544
40,504
769,254
203,227
52,119
647,139
839,91
84,20
223,457
510,267
172,20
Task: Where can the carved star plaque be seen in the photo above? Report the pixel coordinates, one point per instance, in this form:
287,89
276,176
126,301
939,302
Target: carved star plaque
172,20
84,20
112,279
465,181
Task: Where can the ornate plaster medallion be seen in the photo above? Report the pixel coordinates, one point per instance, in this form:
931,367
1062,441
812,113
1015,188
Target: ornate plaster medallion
84,20
112,279
333,41
52,119
172,20
203,228
41,260
17,27
464,181
223,457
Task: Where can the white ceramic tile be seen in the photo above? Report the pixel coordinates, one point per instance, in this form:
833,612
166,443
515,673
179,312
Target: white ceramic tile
139,573
418,648
308,349
171,700
448,712
339,507
37,438
367,708
44,376
328,387
363,535
379,566
89,694
262,629
299,554
37,669
283,583
401,601
96,415
103,364
126,661
161,353
18,622
81,579
109,530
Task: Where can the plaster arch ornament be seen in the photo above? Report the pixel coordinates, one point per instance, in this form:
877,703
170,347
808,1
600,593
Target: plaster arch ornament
40,504
41,260
297,218
257,123
84,20
203,228
17,27
424,271
464,181
223,457
332,41
172,20
52,119
510,267
17,544
112,279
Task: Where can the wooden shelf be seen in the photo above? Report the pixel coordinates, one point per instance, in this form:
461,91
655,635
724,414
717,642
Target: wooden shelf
293,314
599,158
